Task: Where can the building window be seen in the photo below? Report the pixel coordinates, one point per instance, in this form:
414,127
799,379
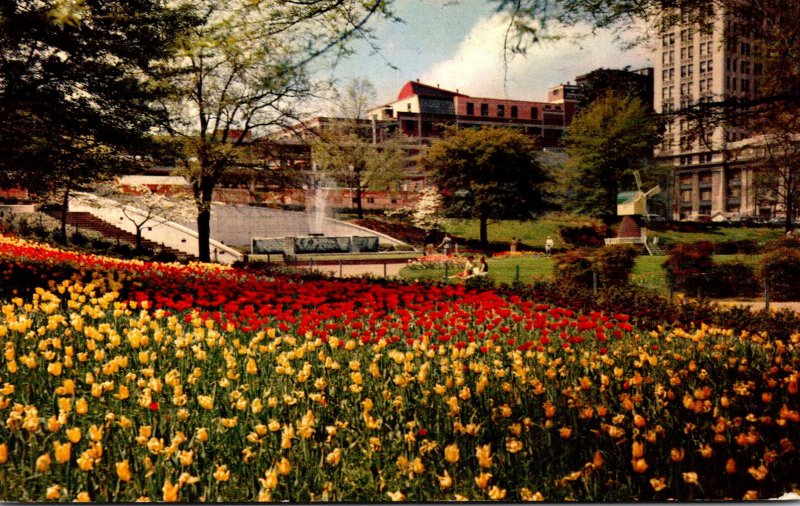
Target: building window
370,200
501,111
513,111
705,178
470,109
534,113
705,195
686,195
484,109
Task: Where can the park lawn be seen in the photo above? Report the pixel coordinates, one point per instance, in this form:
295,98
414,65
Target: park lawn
531,233
534,232
720,234
647,271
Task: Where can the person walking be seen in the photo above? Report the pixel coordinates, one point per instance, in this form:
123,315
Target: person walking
548,245
513,245
447,244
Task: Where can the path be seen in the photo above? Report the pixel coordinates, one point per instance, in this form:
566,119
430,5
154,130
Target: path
758,304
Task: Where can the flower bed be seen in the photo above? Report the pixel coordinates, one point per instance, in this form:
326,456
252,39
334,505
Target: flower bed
208,384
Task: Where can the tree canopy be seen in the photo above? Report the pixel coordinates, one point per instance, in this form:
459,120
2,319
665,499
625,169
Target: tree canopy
245,73
79,84
605,143
487,173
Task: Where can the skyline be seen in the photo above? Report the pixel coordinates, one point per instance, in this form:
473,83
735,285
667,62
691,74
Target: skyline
459,46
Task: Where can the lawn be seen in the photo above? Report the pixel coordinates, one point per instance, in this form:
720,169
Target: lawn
503,269
533,233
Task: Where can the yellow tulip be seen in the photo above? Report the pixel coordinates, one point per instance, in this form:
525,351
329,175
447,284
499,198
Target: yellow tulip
484,455
170,491
83,497
526,495
677,454
202,434
222,473
445,481
74,434
3,453
690,478
496,493
284,467
397,496
451,453
482,480
53,492
658,484
205,401
123,470
62,451
334,457
43,463
85,462
81,406
639,465
95,433
637,450
186,458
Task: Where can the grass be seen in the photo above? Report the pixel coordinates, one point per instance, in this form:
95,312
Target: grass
647,271
533,233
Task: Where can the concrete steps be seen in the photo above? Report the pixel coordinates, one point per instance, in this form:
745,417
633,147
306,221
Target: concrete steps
86,221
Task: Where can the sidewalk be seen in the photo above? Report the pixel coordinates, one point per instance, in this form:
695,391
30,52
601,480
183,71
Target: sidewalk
758,304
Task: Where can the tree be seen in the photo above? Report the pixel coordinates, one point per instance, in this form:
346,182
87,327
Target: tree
358,96
140,205
778,164
605,143
601,82
427,212
246,73
346,157
78,85
487,173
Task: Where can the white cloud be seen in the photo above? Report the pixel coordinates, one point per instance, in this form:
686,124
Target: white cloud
477,68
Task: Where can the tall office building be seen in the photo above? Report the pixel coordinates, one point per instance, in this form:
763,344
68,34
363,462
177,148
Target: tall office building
706,61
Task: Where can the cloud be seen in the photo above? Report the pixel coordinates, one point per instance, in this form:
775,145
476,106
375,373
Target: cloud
479,69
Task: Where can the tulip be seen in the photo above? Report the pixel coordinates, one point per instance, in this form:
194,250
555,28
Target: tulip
62,451
396,496
43,463
170,491
83,497
3,453
484,455
53,492
451,453
222,473
123,470
445,480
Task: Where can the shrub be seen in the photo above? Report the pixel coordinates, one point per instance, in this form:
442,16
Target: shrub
584,235
615,263
689,265
734,279
480,283
781,269
573,267
743,247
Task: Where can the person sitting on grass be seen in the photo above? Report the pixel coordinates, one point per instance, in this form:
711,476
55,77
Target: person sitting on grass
481,268
469,268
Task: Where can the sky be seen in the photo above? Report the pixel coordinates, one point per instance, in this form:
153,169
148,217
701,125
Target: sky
458,45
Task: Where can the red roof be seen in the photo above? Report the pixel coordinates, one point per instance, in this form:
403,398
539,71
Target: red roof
412,88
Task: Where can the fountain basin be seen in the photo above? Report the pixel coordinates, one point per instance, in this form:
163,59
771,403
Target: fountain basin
313,244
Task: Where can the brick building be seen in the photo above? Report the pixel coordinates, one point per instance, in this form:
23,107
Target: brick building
423,111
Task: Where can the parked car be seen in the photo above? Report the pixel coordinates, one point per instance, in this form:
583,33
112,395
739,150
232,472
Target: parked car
650,218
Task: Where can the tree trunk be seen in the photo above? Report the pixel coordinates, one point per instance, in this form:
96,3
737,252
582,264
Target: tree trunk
138,239
64,209
484,218
204,235
359,209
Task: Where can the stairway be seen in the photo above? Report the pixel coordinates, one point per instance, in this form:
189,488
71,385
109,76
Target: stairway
87,221
653,248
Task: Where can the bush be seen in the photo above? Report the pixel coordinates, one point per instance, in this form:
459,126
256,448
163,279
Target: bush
480,283
573,267
734,279
584,235
614,264
689,266
781,269
743,247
